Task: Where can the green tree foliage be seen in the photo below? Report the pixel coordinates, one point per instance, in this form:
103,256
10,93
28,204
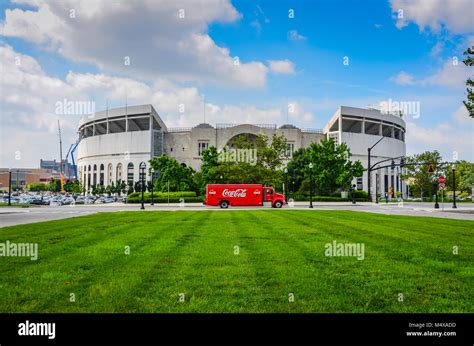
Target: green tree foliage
38,187
464,176
469,61
179,176
266,169
54,185
421,181
332,167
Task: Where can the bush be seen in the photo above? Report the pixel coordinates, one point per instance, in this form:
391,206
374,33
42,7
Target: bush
157,194
360,194
137,198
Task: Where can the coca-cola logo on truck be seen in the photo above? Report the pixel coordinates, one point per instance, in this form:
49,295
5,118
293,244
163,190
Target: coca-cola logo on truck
235,193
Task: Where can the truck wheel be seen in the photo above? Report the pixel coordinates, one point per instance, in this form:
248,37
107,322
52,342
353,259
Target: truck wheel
224,204
277,204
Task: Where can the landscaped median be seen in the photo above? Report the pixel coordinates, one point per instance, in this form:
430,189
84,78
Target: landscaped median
244,261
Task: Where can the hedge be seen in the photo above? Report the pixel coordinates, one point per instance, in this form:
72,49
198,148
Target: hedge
158,194
147,199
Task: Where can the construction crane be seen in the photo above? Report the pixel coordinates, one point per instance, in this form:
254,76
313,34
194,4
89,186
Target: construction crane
71,151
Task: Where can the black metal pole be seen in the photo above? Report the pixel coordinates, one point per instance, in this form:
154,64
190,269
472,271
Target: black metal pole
286,187
454,188
435,185
369,197
143,188
152,188
352,194
376,189
10,188
16,184
310,188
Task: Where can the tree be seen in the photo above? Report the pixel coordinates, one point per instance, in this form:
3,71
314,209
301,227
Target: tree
179,176
54,185
297,167
265,170
464,176
332,167
469,61
423,180
38,187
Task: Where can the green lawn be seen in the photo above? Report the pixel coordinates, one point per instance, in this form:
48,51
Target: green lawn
281,252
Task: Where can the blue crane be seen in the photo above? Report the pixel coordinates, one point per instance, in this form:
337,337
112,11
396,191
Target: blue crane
71,151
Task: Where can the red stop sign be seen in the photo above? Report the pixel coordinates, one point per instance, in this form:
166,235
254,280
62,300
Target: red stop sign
441,180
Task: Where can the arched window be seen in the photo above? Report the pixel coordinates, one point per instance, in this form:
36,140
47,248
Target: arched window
118,173
94,175
109,172
130,177
102,175
89,177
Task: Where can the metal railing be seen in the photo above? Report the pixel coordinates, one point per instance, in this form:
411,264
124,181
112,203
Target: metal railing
179,129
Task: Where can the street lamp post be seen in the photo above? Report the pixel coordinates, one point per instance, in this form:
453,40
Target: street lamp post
10,188
142,178
311,185
453,167
369,169
152,185
286,184
435,185
352,193
376,188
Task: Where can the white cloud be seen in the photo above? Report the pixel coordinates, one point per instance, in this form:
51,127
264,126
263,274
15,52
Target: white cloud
454,15
293,35
451,74
453,135
281,66
162,39
403,78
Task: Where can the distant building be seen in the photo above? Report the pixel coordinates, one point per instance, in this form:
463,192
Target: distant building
114,142
22,177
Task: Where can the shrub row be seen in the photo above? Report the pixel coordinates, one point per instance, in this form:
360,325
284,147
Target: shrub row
158,194
147,199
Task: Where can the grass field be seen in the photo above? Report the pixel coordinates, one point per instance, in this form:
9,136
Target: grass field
280,252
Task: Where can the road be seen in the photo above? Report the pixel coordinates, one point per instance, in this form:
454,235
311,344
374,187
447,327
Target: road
10,216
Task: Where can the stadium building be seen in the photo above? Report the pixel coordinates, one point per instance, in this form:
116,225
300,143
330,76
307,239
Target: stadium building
115,141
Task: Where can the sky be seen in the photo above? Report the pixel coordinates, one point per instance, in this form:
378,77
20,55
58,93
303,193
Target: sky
271,62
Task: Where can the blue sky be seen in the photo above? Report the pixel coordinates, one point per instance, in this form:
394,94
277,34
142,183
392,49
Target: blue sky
403,59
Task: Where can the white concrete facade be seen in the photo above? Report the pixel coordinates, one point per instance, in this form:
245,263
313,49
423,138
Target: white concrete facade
360,129
115,139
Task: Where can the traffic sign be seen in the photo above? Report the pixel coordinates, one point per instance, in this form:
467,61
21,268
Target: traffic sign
442,186
442,180
430,169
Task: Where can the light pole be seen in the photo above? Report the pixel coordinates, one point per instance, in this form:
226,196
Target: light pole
453,167
142,178
369,169
435,186
311,185
9,188
352,193
286,184
152,185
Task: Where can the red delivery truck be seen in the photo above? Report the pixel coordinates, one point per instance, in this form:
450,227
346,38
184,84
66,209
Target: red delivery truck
224,195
